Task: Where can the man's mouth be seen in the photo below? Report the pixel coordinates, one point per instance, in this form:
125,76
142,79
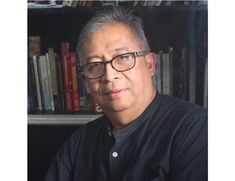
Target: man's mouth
115,93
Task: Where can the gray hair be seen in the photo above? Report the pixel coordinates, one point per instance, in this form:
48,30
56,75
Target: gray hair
116,14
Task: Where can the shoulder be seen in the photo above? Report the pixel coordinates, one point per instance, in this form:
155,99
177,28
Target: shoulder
181,118
177,106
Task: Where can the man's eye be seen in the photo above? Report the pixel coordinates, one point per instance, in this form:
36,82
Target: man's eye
94,66
124,57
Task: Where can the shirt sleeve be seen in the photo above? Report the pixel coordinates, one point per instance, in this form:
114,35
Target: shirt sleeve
61,166
189,155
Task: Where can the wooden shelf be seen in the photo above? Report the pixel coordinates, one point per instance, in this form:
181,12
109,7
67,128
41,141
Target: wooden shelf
60,119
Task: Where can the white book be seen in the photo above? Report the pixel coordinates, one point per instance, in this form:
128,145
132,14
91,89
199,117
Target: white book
39,98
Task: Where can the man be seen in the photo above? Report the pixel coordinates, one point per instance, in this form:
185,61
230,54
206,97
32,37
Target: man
143,135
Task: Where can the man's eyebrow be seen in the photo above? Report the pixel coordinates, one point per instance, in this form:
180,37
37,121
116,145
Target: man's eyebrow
88,59
124,47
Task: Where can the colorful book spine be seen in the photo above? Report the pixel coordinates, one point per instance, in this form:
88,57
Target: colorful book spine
75,88
67,75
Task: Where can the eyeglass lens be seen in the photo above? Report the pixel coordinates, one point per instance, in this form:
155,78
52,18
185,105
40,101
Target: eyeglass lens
120,63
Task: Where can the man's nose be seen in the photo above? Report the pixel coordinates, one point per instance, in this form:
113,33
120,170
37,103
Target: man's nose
110,73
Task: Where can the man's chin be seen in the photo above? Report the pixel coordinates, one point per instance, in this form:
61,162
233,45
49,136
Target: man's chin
115,107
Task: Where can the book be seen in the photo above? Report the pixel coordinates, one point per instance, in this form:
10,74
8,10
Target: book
181,85
36,75
44,83
82,89
34,44
171,70
159,72
192,56
165,74
53,72
60,84
49,82
66,75
32,95
75,93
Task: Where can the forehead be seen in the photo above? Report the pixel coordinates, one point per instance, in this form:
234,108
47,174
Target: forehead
110,37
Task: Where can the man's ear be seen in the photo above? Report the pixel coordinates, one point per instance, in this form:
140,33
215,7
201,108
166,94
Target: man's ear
151,59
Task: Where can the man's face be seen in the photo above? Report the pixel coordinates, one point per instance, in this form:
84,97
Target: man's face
118,91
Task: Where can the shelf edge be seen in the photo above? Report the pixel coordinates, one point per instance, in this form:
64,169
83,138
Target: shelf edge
60,119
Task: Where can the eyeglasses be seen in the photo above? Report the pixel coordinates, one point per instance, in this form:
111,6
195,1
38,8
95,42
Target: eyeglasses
120,63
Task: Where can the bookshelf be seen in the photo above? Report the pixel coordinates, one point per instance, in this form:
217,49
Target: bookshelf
182,27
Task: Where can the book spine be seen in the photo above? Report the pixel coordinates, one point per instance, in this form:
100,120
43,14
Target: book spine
60,84
67,75
184,73
34,43
44,83
35,65
52,63
49,82
192,56
32,94
165,74
82,89
75,93
171,68
159,72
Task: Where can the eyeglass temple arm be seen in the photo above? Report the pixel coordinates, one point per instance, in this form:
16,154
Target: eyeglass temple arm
142,53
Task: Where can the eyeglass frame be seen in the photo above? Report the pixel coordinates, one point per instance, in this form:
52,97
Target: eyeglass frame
135,54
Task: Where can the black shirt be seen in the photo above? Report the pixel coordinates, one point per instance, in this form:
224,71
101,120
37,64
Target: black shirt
167,142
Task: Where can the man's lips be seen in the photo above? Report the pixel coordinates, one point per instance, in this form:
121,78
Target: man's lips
115,93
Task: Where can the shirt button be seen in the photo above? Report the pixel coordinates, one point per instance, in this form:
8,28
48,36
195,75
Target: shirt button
115,154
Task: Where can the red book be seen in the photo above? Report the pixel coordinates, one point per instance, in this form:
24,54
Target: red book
66,75
74,77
